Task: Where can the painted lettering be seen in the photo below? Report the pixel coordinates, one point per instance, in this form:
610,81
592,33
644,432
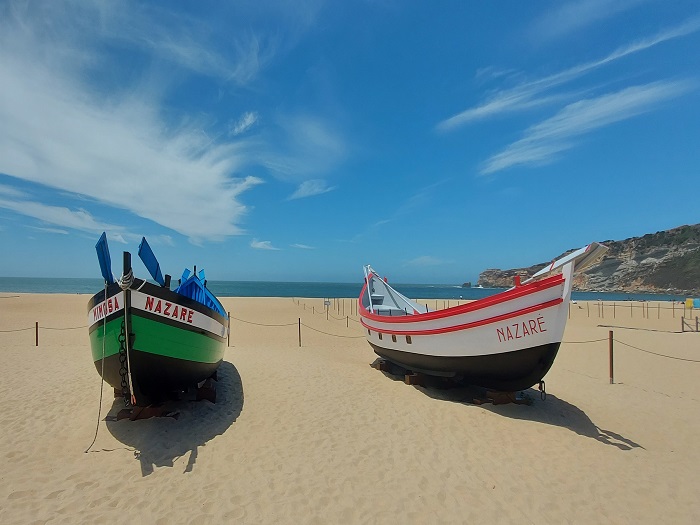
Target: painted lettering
540,323
183,314
175,313
521,329
149,303
158,309
167,308
189,316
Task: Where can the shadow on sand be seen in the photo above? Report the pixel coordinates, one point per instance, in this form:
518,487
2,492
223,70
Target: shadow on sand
159,441
551,411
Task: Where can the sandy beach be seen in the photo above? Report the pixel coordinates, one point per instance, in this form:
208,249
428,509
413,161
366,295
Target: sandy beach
314,434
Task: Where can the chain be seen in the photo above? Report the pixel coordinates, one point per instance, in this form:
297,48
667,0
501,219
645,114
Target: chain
122,366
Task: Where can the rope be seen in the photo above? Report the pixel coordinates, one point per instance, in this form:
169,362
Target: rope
71,328
18,330
263,324
334,335
660,355
583,342
102,376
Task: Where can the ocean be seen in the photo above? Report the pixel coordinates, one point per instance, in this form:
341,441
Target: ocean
305,289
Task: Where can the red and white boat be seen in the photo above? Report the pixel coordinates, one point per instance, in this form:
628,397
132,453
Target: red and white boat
504,342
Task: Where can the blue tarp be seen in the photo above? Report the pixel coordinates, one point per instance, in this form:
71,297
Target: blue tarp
104,258
150,262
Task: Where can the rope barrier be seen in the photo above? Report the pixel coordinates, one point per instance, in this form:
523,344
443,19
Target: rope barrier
17,330
262,324
583,342
660,355
334,335
71,328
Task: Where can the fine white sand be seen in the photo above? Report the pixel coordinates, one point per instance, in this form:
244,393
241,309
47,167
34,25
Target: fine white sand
315,435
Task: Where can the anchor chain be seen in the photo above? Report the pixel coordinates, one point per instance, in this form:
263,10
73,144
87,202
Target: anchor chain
122,366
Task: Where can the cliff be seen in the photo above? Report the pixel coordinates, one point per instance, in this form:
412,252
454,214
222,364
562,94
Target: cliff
662,262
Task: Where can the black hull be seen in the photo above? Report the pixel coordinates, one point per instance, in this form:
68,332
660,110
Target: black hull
156,377
506,372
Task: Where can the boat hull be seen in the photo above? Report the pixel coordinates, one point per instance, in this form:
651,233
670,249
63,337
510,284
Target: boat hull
174,344
507,371
504,342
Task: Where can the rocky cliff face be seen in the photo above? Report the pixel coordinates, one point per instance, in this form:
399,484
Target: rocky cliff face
661,262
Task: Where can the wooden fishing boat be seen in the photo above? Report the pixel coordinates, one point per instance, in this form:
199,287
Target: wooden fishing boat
148,341
505,342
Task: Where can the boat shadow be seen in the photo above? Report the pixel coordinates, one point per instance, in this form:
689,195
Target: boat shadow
160,441
530,406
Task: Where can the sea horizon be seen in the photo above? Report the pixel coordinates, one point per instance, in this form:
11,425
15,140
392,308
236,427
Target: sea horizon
68,285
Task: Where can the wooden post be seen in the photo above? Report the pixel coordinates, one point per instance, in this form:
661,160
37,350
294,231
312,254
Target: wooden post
613,310
300,332
674,308
658,310
37,333
610,345
588,308
631,314
347,321
228,337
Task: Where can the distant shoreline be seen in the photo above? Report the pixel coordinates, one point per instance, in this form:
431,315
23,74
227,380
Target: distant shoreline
90,286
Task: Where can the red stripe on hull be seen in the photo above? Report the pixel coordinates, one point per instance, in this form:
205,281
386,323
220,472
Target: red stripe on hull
455,328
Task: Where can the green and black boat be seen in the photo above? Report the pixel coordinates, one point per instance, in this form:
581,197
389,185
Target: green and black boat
150,342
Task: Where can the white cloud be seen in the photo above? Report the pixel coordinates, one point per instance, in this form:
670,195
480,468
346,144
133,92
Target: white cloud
58,130
528,95
542,142
59,216
305,146
568,17
308,188
262,245
303,247
243,124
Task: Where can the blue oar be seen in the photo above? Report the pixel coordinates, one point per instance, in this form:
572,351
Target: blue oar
150,262
104,259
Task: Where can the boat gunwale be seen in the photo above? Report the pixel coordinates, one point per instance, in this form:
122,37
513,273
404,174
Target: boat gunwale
479,304
159,292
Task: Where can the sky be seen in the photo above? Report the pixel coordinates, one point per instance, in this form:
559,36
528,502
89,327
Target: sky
297,141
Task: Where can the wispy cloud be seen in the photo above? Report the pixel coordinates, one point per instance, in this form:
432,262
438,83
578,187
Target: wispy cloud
568,17
305,146
59,216
262,245
531,94
542,142
59,130
309,188
426,261
243,124
303,247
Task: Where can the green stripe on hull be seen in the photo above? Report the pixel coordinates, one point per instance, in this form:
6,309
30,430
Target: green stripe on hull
161,339
113,330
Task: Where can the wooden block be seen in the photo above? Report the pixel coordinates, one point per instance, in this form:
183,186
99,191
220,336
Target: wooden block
413,379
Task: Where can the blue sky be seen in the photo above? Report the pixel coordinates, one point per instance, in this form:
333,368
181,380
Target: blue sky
276,140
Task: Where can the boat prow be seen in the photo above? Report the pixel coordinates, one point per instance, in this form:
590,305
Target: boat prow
148,341
507,341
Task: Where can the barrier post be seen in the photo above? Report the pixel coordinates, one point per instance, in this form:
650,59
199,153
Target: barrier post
228,337
37,333
610,345
300,332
